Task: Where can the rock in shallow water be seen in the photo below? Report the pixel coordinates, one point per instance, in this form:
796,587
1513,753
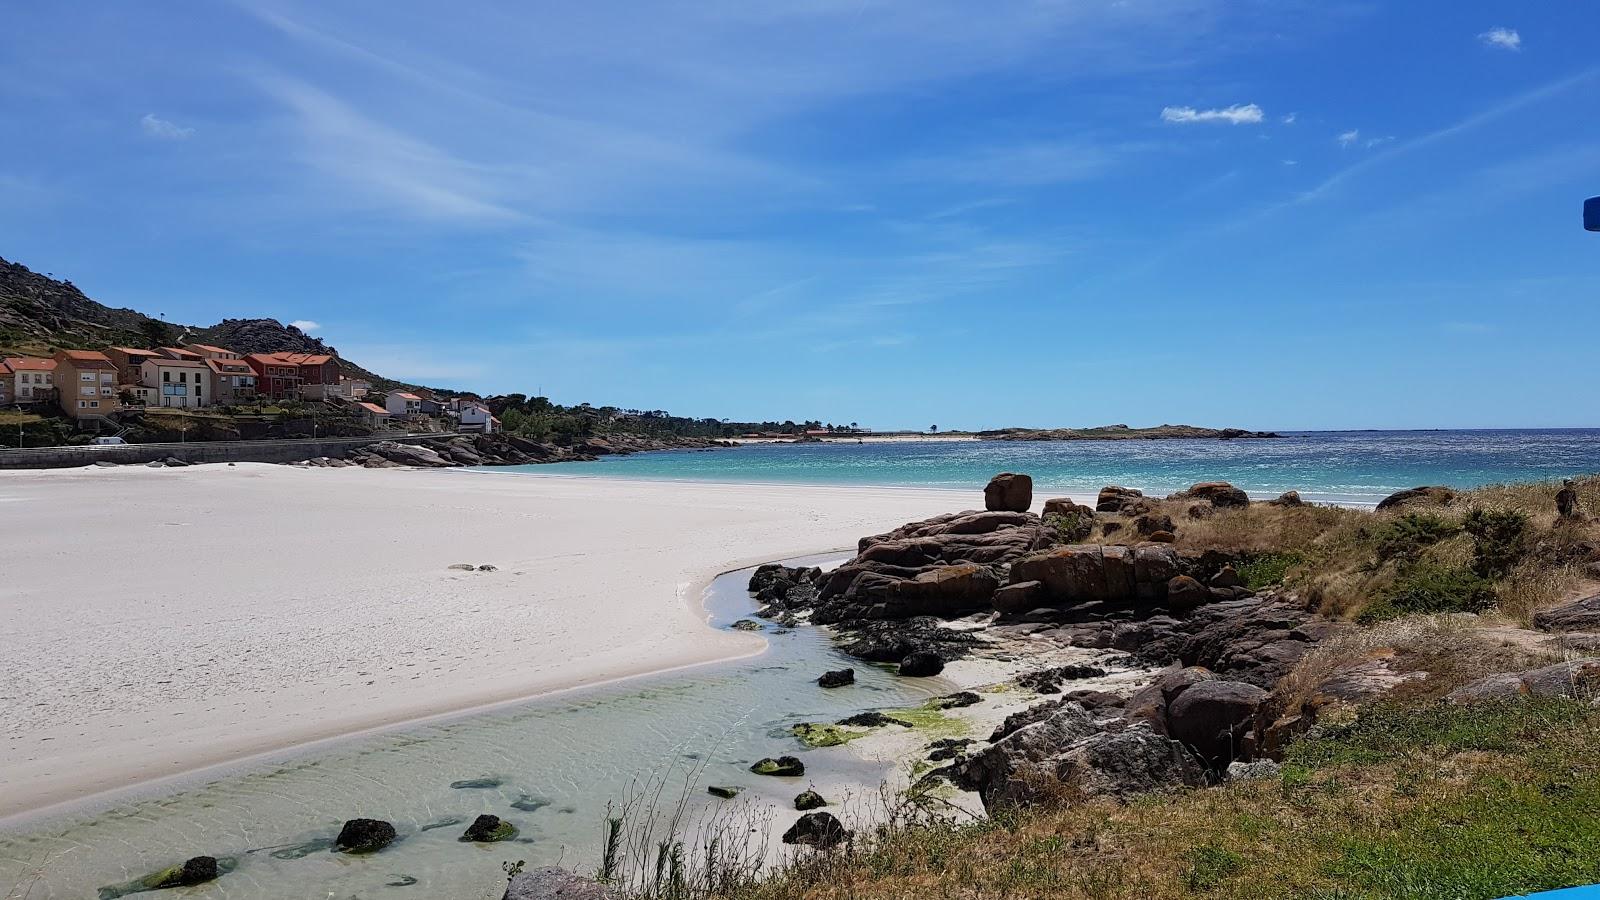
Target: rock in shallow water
783,766
921,664
817,829
809,800
364,836
487,829
837,678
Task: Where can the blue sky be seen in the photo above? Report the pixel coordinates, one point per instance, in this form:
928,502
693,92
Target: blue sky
1270,214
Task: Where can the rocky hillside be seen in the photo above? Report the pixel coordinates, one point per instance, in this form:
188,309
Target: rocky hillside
39,313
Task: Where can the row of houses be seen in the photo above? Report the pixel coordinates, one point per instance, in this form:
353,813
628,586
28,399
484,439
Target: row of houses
92,383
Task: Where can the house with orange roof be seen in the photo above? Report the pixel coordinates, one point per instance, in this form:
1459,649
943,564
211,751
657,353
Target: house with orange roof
232,381
179,353
128,360
183,383
86,383
403,404
32,379
295,376
207,351
372,414
5,383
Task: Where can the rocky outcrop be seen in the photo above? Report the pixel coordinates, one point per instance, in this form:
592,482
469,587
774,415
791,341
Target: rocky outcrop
1576,678
553,883
1287,498
192,871
1081,573
1008,492
1434,495
1579,615
1071,752
364,836
898,575
448,451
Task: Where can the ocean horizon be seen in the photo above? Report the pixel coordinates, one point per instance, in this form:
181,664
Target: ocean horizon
1345,467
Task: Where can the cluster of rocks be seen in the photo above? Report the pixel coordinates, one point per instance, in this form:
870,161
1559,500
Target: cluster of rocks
447,451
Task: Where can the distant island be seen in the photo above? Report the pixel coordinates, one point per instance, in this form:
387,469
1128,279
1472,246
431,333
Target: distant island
1123,433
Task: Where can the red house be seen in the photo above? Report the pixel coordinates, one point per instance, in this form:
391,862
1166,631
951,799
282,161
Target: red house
294,376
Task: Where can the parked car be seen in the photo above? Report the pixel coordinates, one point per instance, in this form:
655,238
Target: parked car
108,442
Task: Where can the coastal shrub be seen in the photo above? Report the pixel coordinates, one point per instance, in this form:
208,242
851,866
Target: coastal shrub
1261,570
1429,588
1072,527
1498,540
1405,537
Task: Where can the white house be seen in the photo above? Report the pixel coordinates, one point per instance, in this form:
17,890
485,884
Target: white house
182,381
475,417
403,404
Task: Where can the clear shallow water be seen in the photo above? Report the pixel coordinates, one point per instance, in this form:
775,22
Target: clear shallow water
550,766
1344,467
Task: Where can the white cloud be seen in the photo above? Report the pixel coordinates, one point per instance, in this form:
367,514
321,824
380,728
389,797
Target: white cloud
162,129
1349,137
1291,162
1504,38
1238,114
1378,141
306,325
1289,119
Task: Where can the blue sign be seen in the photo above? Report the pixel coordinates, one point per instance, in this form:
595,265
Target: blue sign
1591,214
1578,893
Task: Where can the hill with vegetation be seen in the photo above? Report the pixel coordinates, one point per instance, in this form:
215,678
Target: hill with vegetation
39,314
1123,433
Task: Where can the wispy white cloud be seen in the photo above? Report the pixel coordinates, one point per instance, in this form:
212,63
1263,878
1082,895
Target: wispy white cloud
1238,114
1289,118
1369,143
1503,38
1349,138
389,169
161,129
306,325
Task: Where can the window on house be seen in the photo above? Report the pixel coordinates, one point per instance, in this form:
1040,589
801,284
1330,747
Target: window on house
83,404
166,376
94,404
86,376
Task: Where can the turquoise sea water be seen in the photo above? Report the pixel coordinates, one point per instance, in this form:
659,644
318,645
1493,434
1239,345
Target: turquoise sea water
1343,467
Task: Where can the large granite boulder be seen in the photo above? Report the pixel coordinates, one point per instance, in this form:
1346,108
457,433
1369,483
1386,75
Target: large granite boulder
1070,752
1009,492
1220,494
1434,495
1575,678
923,663
1213,718
1115,499
1080,573
869,586
1255,639
1579,615
553,883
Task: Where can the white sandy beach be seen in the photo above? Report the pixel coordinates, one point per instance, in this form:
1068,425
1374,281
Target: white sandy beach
156,621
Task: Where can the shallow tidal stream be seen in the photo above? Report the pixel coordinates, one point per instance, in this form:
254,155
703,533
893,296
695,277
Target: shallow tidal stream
549,766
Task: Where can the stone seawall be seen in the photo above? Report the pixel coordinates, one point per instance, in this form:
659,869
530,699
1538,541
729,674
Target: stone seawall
193,452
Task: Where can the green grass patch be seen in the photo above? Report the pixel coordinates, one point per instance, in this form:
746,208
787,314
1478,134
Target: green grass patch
930,719
1427,588
1261,570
